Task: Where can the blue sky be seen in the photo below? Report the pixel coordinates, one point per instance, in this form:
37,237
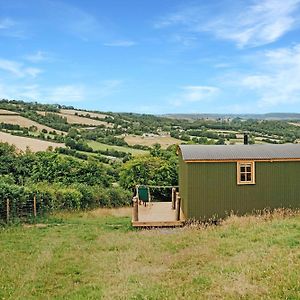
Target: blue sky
153,56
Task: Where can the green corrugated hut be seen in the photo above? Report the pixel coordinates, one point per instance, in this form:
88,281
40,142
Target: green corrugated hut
217,180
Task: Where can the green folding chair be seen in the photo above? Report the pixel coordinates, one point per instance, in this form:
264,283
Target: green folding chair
143,194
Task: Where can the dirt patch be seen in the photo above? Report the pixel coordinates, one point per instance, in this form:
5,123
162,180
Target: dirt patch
39,225
116,212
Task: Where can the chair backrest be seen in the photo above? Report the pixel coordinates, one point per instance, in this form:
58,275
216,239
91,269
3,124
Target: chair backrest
143,193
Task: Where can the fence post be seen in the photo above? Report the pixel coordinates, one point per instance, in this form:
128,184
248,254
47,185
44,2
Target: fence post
7,210
34,205
178,204
173,197
135,211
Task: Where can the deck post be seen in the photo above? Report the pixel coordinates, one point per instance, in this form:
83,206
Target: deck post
34,205
178,203
135,211
173,197
176,196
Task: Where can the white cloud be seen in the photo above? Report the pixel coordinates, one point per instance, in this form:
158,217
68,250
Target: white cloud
12,28
66,93
192,94
277,79
18,69
6,23
22,92
75,21
262,22
120,43
37,57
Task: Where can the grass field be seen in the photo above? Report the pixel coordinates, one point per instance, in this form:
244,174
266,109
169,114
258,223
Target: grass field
24,122
97,255
100,146
164,141
7,112
22,143
73,119
82,112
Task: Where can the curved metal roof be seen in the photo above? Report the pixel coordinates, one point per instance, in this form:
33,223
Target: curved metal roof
240,152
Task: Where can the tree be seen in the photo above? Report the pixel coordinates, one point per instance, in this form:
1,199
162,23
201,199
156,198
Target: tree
149,170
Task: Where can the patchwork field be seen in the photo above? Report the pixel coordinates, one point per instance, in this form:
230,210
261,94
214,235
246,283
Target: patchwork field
22,143
295,124
7,112
82,112
24,122
164,141
73,119
99,146
97,255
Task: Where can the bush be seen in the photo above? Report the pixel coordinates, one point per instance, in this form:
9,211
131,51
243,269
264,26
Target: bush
50,197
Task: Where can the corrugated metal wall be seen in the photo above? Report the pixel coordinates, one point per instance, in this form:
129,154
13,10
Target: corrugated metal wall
210,189
183,185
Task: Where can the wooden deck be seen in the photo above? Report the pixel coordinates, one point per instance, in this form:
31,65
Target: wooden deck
157,214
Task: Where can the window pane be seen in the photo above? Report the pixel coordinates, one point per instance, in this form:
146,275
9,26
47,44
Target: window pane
243,168
249,169
248,176
243,177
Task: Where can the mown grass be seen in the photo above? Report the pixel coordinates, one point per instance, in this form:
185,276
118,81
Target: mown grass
97,255
99,146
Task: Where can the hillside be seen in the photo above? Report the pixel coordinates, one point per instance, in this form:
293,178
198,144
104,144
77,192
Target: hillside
96,255
116,135
267,116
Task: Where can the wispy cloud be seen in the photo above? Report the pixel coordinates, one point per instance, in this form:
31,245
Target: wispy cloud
67,93
276,80
11,28
120,43
29,92
258,23
192,94
18,69
6,23
37,57
76,21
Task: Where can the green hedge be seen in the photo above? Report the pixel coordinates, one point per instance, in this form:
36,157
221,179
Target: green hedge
50,197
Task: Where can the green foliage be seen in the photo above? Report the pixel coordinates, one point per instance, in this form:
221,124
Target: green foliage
50,197
149,170
80,145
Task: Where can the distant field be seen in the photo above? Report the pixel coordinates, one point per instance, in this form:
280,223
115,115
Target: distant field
165,142
22,143
24,122
100,146
97,255
7,112
72,119
82,112
295,124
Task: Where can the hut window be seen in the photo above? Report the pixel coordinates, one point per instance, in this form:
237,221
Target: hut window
245,173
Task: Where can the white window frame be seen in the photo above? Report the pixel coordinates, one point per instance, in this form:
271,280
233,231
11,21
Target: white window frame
239,165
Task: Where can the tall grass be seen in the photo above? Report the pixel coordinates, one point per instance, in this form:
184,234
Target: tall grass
97,255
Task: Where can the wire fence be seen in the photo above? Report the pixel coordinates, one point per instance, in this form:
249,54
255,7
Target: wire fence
26,210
